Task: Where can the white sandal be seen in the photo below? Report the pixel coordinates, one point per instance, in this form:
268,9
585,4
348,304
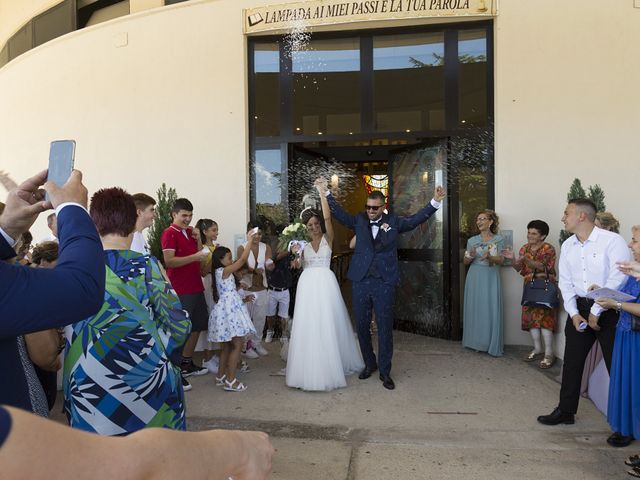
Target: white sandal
220,380
239,386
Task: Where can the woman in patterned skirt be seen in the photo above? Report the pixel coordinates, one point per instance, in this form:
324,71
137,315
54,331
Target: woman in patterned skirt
119,370
537,258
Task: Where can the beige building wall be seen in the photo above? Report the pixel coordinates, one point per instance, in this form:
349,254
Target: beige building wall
155,97
15,13
161,96
567,103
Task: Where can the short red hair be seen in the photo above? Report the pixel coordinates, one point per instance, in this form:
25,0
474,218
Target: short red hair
113,211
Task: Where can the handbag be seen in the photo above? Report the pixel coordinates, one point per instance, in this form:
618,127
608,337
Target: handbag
541,292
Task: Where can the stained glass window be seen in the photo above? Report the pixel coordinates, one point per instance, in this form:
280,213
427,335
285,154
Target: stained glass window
377,182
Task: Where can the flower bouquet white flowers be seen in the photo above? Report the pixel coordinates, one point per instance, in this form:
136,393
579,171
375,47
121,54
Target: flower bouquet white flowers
296,233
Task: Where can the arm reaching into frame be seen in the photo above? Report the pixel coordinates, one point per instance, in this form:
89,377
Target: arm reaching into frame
71,291
38,448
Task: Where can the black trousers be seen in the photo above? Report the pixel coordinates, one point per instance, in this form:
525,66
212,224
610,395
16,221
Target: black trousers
577,346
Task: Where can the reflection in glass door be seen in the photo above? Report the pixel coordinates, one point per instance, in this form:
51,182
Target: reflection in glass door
420,303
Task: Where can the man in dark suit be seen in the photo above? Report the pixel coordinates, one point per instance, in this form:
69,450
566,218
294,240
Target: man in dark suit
39,299
373,272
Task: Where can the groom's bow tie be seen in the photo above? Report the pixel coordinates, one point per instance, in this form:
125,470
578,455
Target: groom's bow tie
374,222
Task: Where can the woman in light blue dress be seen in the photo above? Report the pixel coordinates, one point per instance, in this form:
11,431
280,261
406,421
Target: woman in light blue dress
483,292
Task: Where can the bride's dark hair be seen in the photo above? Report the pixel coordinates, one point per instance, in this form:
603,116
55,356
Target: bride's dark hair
308,213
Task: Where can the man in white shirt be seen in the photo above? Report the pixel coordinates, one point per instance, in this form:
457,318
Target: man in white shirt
587,261
146,208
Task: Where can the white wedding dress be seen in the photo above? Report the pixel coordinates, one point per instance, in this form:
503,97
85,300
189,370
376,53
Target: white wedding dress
323,347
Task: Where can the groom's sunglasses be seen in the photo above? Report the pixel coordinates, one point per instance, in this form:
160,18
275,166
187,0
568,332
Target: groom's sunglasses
373,207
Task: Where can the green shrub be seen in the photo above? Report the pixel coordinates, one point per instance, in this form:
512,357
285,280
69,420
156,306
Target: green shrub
165,199
594,192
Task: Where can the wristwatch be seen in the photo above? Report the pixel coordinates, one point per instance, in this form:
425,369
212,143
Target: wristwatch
618,306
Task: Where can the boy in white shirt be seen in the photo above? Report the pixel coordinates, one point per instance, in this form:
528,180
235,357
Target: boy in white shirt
146,208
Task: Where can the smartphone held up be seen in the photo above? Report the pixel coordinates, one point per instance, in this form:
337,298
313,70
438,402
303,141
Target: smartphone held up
61,160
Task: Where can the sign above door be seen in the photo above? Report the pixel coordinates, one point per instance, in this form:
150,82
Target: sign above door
313,13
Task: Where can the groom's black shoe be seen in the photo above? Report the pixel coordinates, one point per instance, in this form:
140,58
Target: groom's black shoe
387,382
367,372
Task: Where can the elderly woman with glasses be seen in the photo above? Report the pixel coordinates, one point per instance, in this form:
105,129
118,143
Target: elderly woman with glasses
483,292
537,259
120,372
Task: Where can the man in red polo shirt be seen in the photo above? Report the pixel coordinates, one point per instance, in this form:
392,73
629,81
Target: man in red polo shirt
183,255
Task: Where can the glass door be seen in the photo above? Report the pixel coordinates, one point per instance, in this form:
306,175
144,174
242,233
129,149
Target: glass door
420,298
304,167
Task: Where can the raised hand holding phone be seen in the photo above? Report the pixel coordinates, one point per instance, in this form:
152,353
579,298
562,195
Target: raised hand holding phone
71,192
61,158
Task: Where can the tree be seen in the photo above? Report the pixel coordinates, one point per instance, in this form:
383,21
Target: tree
595,194
165,200
576,190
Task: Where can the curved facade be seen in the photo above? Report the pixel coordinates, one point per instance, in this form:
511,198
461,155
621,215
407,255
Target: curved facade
163,96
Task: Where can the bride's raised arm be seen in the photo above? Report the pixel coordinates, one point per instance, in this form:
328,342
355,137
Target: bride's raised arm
321,186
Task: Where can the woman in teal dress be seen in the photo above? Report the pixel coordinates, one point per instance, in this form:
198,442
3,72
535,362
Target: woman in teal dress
483,292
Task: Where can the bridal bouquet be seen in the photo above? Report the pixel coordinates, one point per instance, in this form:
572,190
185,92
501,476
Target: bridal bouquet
294,234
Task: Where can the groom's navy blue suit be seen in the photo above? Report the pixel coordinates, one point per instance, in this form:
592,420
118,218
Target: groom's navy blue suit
373,271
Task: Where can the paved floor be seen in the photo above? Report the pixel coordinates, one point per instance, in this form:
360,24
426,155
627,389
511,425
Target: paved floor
454,414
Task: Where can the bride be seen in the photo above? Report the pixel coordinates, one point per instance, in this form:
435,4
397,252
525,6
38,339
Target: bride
322,348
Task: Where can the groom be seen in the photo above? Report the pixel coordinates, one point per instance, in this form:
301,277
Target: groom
373,272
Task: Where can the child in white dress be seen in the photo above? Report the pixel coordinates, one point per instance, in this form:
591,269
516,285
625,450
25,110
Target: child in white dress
229,321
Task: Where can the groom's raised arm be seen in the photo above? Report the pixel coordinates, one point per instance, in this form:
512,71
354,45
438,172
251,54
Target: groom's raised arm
406,224
339,213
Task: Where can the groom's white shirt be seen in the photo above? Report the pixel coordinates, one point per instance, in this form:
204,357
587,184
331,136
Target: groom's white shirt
375,227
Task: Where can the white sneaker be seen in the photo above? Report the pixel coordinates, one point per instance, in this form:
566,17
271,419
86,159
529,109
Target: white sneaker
211,365
250,353
269,337
260,349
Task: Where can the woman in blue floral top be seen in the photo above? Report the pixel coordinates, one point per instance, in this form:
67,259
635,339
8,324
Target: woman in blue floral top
119,370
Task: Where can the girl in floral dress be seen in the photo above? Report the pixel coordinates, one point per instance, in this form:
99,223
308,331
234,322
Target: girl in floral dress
229,321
